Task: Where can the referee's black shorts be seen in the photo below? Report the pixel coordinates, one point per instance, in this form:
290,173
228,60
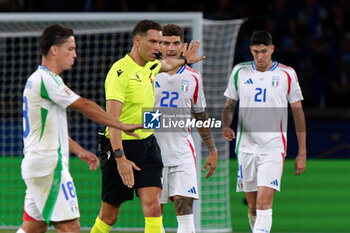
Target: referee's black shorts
145,154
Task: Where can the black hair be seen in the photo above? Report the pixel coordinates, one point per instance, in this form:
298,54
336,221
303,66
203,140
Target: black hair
261,37
143,26
53,35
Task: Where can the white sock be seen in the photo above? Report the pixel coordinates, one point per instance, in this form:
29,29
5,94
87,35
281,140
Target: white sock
263,221
20,230
251,219
163,230
185,224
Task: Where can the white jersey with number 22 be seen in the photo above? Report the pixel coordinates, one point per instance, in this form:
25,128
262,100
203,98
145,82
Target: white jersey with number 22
183,93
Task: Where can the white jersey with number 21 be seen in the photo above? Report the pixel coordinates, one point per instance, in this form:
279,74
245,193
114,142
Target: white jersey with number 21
263,104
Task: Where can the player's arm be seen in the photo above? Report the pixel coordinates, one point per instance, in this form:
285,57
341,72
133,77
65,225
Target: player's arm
300,128
207,138
190,54
227,117
94,112
86,156
125,166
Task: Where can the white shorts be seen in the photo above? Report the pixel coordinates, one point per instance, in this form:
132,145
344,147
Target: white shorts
259,170
41,198
179,180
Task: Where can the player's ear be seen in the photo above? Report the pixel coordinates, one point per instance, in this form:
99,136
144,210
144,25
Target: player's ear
53,50
272,48
137,40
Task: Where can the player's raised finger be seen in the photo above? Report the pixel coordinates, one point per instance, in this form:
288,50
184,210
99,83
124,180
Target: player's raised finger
190,45
185,48
196,45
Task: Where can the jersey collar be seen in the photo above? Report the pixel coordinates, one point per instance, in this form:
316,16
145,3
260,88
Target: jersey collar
181,69
47,70
43,67
272,68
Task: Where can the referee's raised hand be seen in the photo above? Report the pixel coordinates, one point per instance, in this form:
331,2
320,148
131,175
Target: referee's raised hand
191,52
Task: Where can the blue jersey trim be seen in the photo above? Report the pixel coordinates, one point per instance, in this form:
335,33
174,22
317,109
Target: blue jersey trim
253,65
273,67
181,69
43,67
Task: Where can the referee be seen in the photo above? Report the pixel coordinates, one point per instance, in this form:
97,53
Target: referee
130,163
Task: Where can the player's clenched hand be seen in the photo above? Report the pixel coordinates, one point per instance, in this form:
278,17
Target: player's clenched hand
89,158
191,52
228,133
212,161
129,129
300,163
125,169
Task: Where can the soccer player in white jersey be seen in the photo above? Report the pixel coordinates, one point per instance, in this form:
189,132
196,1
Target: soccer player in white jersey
263,88
181,89
50,196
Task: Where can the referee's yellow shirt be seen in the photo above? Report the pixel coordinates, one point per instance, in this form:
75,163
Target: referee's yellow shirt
133,85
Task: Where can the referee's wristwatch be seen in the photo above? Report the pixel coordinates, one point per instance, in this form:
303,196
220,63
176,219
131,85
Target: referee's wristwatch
118,153
183,57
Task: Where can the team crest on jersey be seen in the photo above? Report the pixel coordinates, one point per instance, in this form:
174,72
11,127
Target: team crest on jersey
68,91
184,85
73,206
275,81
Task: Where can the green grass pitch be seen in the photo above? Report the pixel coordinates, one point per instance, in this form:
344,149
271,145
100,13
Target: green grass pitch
317,201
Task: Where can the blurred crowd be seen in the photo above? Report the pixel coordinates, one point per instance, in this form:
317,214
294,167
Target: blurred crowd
312,36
